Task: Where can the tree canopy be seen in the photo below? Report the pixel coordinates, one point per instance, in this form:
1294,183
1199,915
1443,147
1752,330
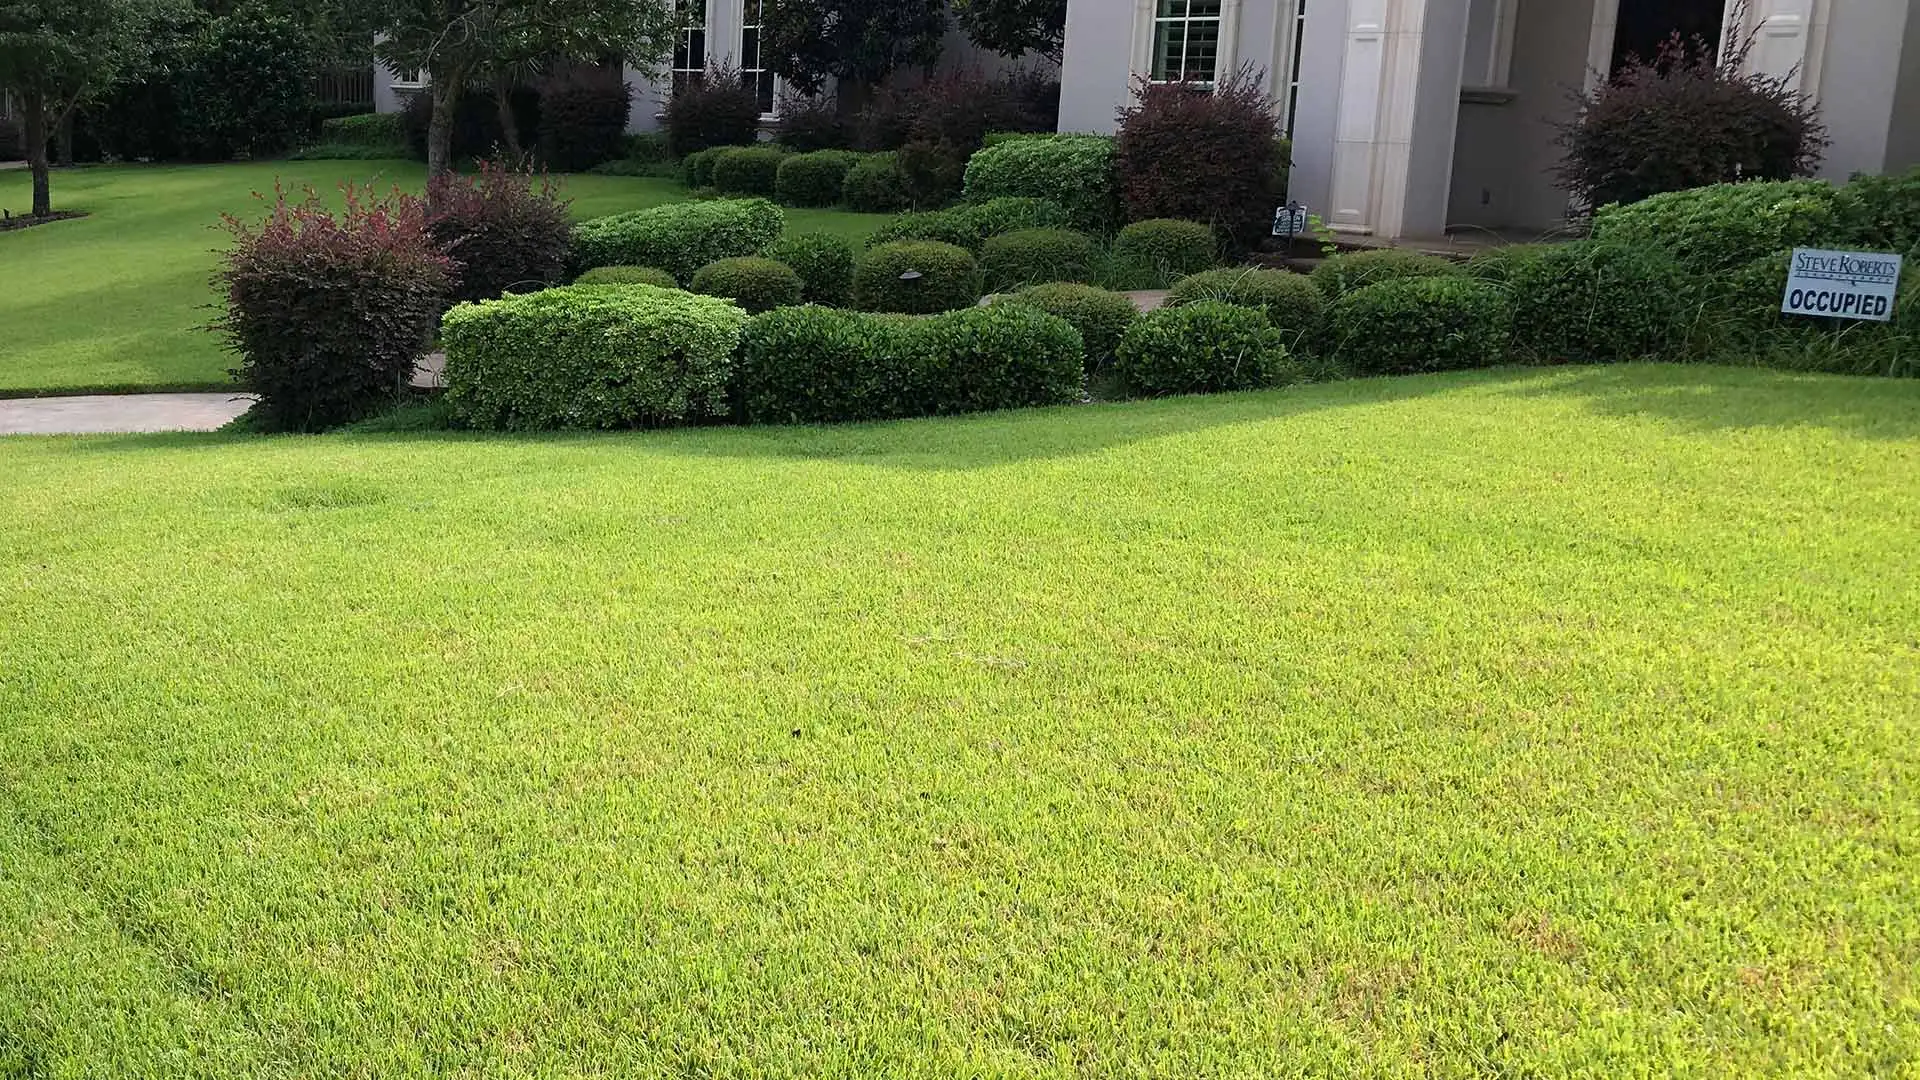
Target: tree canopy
1015,27
806,42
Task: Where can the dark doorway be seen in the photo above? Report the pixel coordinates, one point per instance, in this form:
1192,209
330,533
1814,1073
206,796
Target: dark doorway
1645,25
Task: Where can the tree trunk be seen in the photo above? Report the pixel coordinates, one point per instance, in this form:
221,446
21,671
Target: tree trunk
34,128
509,124
446,98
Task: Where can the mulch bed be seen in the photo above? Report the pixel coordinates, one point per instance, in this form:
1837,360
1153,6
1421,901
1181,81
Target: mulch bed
28,221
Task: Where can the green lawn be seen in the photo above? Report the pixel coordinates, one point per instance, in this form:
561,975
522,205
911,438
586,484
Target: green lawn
1511,723
119,300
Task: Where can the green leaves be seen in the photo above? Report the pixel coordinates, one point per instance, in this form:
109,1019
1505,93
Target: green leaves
680,238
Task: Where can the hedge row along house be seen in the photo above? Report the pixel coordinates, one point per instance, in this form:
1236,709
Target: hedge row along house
1413,118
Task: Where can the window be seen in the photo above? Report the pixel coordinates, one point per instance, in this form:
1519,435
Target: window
690,51
414,79
1186,41
753,68
1293,71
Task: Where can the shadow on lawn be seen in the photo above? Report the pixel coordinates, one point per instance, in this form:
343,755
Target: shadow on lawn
1714,398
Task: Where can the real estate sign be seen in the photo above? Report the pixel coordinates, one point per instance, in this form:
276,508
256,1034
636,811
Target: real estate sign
1842,284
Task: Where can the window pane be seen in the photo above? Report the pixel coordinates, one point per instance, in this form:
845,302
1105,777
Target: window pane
1172,9
1204,9
749,49
1203,51
1169,43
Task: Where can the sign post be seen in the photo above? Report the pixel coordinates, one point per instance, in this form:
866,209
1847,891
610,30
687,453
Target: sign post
1842,284
1291,221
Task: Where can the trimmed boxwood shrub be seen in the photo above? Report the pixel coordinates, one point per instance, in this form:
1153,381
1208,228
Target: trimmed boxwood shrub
680,238
1881,213
1155,253
748,170
1406,326
697,168
1499,265
1726,226
1200,348
948,278
823,261
1036,256
756,284
875,185
380,130
814,179
1006,356
1011,213
1074,170
817,365
627,275
1291,301
591,357
953,226
1102,317
1345,273
1596,302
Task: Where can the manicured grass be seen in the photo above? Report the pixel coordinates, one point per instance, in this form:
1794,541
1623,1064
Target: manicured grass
120,299
1511,723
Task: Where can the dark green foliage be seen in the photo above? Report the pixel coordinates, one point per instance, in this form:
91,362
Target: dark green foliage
1215,157
476,122
748,170
1011,213
945,277
814,179
12,144
591,357
755,283
813,365
1744,325
823,261
1499,265
930,173
1075,171
1291,301
956,107
1407,326
1202,348
720,109
1601,302
859,42
583,118
380,130
1015,27
1882,213
1102,317
697,168
507,231
1726,226
1035,256
874,185
1007,356
627,275
680,238
1154,254
810,123
1343,274
956,227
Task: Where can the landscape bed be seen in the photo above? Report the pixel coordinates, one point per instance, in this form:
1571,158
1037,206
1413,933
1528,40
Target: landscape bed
1526,723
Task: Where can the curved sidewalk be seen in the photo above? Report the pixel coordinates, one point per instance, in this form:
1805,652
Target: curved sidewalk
100,414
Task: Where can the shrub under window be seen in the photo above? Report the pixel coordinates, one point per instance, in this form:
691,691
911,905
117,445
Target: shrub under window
916,277
756,284
1406,326
1213,156
1205,347
721,109
680,238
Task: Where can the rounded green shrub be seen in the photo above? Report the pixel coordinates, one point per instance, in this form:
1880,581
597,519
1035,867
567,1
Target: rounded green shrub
697,167
1726,226
818,365
954,227
755,283
748,170
1035,256
1291,301
916,277
875,185
591,357
1405,326
1102,317
679,238
823,261
1153,254
1499,265
1596,302
1073,170
1006,356
1204,347
1343,274
814,179
1012,213
627,275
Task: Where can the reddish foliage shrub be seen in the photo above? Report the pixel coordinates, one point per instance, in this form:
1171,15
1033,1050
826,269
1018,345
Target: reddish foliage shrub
720,109
328,312
959,108
1203,155
1683,120
583,117
505,229
809,123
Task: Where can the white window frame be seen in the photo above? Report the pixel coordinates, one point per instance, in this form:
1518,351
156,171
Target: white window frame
753,75
695,67
1147,31
1489,61
415,79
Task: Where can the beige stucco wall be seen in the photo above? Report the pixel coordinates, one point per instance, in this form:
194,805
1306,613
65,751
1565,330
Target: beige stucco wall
1867,62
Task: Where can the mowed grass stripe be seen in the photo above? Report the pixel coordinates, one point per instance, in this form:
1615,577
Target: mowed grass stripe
1547,722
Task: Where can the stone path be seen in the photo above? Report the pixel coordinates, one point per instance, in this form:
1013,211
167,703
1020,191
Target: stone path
119,413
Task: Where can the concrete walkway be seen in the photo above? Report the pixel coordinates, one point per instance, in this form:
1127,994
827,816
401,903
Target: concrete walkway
98,414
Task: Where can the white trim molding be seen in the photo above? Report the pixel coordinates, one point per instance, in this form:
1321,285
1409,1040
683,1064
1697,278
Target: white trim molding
1146,16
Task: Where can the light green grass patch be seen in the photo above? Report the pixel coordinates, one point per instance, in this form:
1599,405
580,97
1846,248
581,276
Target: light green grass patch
121,299
1530,724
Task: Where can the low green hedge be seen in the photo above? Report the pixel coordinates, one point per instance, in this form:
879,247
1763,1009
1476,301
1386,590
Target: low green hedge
821,365
697,168
1406,326
1291,301
1074,170
1726,226
1012,213
1598,302
1102,317
680,238
1745,326
1155,253
381,130
942,277
954,226
590,357
1499,265
875,185
815,179
823,261
748,170
1343,274
1200,348
1037,256
627,275
756,284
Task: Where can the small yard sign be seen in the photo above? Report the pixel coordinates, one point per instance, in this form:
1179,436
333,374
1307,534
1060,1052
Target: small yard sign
1842,284
1291,220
